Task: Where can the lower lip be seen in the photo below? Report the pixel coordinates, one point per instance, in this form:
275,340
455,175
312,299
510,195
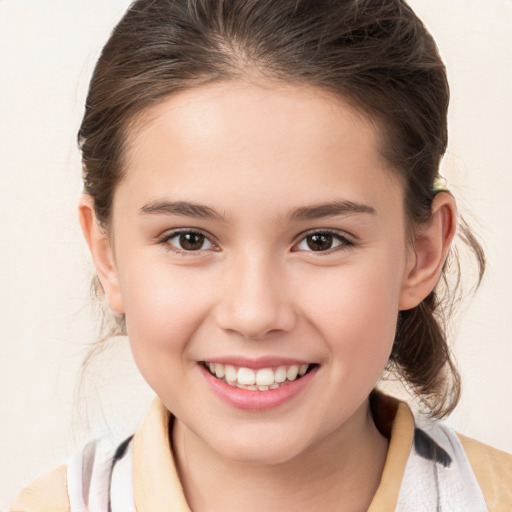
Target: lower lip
256,400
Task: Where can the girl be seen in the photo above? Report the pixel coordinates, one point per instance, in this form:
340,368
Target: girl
263,207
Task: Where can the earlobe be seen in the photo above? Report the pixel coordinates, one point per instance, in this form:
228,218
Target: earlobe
431,245
102,253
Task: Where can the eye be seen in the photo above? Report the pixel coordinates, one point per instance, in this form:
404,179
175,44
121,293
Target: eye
322,241
188,241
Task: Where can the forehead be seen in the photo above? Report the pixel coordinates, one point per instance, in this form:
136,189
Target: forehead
277,142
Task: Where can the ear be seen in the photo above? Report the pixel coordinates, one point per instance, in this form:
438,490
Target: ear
102,253
427,256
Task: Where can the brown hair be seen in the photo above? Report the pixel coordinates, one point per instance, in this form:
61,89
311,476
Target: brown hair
375,53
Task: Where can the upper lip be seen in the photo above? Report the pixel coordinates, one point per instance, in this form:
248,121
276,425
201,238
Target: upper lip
257,363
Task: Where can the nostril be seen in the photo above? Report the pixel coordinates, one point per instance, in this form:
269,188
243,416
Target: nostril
256,324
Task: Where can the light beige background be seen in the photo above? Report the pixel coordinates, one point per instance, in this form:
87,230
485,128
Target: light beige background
47,51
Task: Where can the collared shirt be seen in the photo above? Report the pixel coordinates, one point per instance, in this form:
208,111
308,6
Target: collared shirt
428,468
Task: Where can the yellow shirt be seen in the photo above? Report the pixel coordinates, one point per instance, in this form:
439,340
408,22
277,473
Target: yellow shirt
155,485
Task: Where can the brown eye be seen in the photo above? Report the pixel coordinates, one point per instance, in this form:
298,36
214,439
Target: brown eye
191,241
188,241
323,241
320,241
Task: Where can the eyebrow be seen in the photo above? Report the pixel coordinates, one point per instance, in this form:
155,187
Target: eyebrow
331,209
319,211
182,208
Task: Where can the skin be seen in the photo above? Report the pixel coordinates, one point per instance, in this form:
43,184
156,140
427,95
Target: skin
254,153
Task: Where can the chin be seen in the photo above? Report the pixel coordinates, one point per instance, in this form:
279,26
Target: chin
259,450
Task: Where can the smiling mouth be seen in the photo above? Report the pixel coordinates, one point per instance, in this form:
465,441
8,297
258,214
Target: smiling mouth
263,379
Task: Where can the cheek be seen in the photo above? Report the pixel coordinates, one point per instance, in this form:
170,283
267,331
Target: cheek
164,308
355,309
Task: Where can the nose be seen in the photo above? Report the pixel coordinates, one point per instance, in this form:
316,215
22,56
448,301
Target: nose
254,300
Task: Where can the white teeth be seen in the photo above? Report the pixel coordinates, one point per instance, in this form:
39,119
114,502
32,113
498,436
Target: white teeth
246,376
262,379
292,372
251,388
230,373
280,375
219,370
265,377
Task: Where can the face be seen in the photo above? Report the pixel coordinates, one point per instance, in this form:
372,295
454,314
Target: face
258,235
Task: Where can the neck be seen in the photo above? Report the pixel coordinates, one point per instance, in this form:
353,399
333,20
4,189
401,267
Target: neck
339,473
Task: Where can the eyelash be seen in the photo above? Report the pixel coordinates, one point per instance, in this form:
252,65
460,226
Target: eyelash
344,242
166,241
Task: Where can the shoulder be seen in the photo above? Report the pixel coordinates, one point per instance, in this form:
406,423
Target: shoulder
87,482
446,471
493,470
47,494
435,468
